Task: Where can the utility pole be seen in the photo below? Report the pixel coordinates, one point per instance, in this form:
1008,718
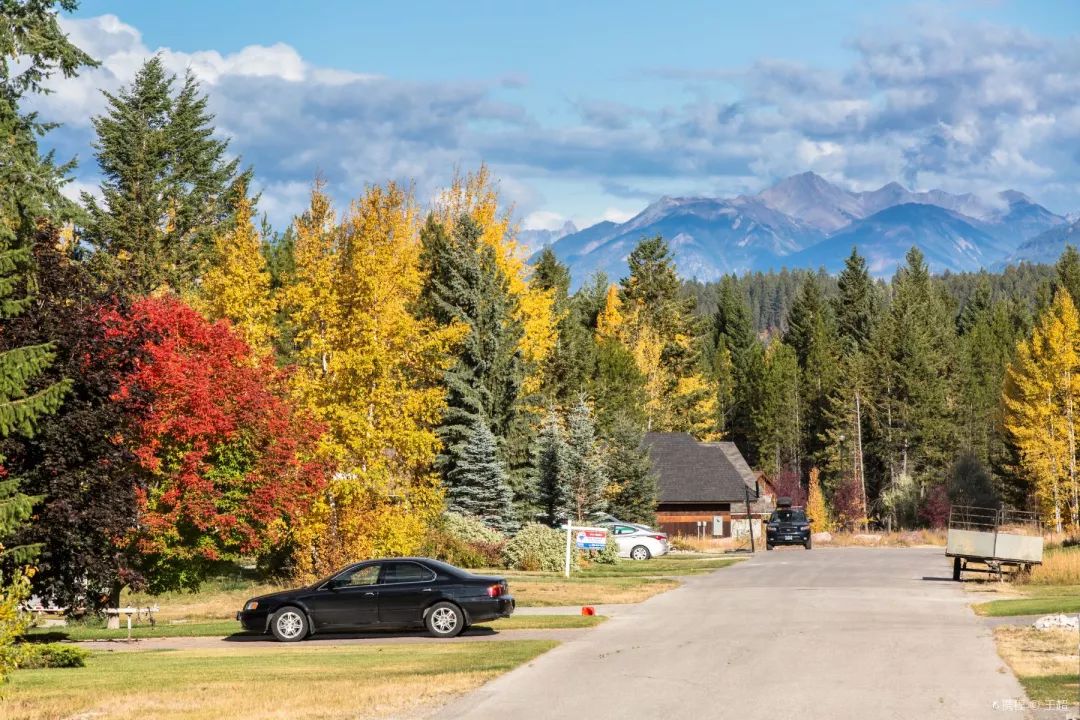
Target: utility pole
858,449
749,520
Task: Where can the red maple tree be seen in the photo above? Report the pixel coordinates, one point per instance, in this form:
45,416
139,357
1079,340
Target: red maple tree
229,460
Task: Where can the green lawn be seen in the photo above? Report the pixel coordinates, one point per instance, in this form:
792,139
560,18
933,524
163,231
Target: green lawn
1045,605
223,628
243,683
667,566
1051,688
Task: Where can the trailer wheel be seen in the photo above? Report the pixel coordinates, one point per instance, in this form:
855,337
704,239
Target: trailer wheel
956,569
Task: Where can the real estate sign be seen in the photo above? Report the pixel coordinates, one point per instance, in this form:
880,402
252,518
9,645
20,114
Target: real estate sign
591,538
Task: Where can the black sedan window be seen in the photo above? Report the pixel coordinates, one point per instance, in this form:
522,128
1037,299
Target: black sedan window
402,572
363,575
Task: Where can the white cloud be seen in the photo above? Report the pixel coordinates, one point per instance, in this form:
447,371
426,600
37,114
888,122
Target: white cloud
935,102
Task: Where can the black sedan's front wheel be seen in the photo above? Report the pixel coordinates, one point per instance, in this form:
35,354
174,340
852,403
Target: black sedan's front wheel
445,620
289,624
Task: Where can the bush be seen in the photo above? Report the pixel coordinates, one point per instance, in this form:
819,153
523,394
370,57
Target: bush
469,529
537,547
608,556
463,540
53,655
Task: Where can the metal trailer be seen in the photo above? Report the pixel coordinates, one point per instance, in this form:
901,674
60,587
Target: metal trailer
994,537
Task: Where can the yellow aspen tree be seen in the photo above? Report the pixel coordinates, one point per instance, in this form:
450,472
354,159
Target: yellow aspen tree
610,320
370,370
475,195
1041,393
816,509
237,285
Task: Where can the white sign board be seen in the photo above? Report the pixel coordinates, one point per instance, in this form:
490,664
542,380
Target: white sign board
584,538
591,538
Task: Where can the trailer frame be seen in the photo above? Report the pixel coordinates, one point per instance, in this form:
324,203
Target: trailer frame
997,538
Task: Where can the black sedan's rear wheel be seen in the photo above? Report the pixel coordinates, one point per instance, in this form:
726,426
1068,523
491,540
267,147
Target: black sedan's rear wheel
289,624
445,620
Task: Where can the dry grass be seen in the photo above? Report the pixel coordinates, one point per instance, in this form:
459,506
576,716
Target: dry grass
904,538
292,683
1031,652
532,591
1044,661
709,544
1060,566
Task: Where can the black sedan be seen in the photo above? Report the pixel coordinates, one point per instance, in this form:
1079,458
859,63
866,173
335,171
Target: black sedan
382,594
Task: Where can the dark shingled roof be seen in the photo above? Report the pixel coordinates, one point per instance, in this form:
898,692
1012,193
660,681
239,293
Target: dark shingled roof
691,471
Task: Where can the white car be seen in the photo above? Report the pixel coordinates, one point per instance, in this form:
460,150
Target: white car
637,542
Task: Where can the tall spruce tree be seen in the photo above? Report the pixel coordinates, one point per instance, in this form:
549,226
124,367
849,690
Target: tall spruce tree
552,492
812,335
914,372
164,187
632,485
776,416
33,48
568,367
733,334
464,285
855,305
478,484
586,477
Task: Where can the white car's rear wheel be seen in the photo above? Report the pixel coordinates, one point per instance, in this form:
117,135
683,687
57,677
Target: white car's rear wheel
640,552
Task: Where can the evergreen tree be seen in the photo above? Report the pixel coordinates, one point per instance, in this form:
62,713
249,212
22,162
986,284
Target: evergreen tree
617,386
660,330
568,367
776,417
478,484
856,305
586,478
464,286
164,187
632,489
33,47
553,493
734,337
914,373
812,334
1068,272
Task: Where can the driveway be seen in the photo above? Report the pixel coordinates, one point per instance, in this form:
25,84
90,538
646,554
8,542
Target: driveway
831,633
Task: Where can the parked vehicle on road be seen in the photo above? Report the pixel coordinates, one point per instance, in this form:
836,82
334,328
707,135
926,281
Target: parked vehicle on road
382,594
637,542
990,540
787,526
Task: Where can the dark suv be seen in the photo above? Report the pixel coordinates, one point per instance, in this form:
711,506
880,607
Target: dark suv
787,526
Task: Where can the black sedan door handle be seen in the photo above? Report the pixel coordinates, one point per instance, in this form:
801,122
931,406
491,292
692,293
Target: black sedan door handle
427,589
369,594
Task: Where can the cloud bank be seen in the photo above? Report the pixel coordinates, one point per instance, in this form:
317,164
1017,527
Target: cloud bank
934,103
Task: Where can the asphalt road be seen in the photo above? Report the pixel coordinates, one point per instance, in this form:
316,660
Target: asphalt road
830,633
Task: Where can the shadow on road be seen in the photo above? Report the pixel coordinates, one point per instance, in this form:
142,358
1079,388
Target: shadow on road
388,634
930,578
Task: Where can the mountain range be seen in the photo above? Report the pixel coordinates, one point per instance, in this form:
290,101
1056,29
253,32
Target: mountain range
806,221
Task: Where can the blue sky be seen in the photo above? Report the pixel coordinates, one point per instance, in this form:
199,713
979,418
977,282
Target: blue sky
589,110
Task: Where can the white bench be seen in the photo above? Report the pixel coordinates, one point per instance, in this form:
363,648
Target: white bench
42,612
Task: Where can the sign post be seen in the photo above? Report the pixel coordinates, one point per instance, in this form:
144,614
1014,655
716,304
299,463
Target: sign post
584,538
